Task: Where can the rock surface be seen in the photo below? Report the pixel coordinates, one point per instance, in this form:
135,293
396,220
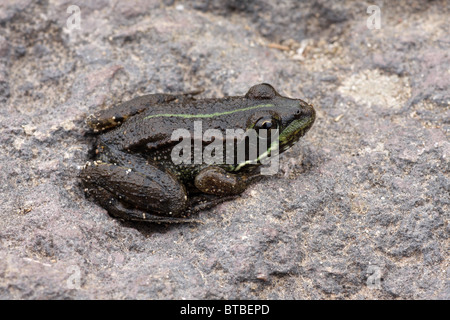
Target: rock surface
358,210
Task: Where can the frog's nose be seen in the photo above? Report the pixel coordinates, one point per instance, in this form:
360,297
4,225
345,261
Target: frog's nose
306,111
311,113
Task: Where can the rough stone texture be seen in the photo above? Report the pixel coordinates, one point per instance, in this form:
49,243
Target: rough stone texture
366,193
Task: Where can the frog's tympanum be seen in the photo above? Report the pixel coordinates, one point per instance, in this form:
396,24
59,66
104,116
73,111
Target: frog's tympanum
134,175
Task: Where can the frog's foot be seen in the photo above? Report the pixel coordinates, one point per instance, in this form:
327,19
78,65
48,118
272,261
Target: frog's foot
207,201
154,196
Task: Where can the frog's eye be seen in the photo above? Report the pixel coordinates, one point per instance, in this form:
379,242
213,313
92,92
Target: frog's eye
261,91
266,123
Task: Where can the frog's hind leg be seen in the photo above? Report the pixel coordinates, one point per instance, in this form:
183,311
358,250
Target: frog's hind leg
153,195
116,209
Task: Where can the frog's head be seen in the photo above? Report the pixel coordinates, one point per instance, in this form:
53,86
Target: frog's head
292,117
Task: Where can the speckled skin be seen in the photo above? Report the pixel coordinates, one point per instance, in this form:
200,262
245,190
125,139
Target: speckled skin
134,177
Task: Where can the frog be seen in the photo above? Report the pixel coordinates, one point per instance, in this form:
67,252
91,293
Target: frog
133,175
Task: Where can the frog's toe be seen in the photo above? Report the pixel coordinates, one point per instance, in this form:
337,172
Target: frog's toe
208,201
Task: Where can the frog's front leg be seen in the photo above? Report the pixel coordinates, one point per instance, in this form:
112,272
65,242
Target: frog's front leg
153,195
217,181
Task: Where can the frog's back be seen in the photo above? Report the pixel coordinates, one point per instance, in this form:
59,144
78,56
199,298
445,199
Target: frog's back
207,107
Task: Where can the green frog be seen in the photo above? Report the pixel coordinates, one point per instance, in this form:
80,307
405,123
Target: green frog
134,176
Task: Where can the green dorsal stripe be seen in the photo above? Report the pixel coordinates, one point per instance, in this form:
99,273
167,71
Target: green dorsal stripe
211,115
